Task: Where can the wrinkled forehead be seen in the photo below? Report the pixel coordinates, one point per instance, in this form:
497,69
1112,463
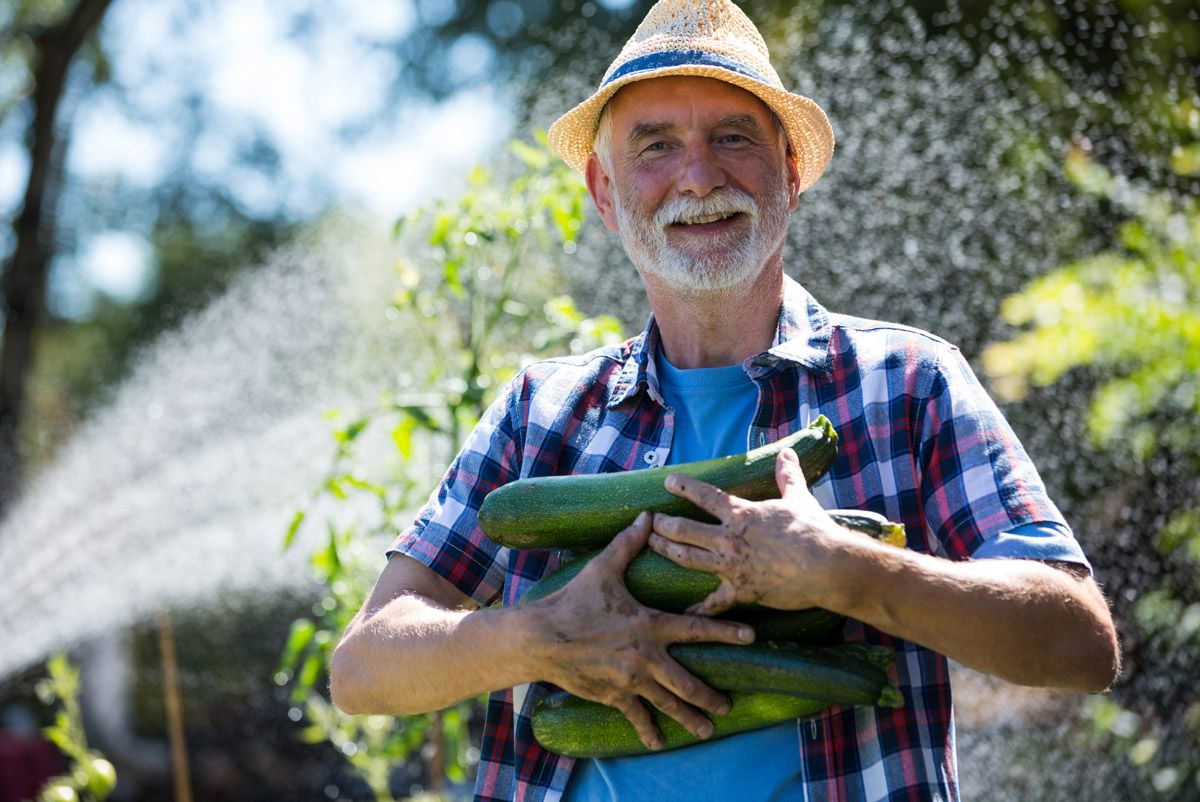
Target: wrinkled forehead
678,100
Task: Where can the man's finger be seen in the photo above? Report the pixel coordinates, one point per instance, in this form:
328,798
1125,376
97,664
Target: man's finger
625,546
673,628
713,500
688,687
688,717
789,475
717,602
685,530
699,559
633,709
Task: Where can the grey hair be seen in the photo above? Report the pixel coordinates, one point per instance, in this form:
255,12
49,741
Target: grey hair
602,141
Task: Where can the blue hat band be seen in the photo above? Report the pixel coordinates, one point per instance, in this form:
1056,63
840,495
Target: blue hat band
682,58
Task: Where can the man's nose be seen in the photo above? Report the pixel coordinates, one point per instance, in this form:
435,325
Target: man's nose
701,173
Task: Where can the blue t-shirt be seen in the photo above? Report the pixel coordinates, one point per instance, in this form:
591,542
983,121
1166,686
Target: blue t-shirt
713,409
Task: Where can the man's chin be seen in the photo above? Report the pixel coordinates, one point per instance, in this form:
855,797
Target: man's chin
701,278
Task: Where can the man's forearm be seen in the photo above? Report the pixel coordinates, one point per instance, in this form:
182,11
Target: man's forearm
409,650
1022,620
414,655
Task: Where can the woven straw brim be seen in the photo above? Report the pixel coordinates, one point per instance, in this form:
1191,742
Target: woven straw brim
808,130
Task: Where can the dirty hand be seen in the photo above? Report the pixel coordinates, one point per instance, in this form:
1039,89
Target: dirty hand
601,644
777,553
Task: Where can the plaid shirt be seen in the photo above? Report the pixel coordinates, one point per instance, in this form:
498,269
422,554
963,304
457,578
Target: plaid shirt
920,442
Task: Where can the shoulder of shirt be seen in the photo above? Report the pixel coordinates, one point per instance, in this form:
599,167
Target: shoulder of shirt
866,328
605,361
604,355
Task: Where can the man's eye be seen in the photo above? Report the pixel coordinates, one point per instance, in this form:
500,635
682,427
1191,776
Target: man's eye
734,138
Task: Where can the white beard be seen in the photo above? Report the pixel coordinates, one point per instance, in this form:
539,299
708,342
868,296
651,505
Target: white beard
726,261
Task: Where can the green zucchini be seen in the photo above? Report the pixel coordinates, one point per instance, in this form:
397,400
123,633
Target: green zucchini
651,578
810,625
846,674
569,725
585,511
873,524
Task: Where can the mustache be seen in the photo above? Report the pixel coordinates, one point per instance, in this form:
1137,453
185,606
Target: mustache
723,201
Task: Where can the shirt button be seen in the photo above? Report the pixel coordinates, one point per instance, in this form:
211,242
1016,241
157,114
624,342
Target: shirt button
651,457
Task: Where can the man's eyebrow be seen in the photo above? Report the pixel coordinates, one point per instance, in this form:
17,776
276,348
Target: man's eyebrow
648,129
746,121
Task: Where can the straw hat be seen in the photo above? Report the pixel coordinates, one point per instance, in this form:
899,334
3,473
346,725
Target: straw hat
711,39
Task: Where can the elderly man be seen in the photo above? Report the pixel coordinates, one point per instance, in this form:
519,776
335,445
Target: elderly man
695,156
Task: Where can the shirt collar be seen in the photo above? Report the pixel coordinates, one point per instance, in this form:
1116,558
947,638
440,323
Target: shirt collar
802,337
803,334
639,370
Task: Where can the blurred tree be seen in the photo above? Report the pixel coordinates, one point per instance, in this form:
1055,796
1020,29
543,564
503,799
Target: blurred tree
50,36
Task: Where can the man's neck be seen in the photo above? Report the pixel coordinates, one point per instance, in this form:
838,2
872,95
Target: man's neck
715,329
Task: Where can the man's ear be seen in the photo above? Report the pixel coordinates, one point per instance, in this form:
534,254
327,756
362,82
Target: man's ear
600,187
793,179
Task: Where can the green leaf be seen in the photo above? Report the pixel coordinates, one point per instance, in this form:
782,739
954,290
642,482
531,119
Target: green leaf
533,158
352,431
58,735
299,636
313,734
293,528
363,484
334,486
327,561
306,678
1157,611
1109,717
441,228
1185,159
450,271
1182,531
422,417
402,436
1134,236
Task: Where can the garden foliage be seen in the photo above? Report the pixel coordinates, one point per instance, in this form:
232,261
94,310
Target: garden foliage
1129,317
478,298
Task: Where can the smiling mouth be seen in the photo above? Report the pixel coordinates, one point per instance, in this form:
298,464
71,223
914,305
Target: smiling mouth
705,219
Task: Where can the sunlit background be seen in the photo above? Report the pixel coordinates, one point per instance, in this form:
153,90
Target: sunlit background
256,293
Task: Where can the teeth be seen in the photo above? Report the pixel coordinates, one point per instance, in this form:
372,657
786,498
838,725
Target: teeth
704,218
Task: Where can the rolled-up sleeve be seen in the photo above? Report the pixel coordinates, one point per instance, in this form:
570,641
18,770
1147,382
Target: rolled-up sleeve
1041,540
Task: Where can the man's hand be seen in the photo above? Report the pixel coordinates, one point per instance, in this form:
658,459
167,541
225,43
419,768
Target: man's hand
769,552
602,645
